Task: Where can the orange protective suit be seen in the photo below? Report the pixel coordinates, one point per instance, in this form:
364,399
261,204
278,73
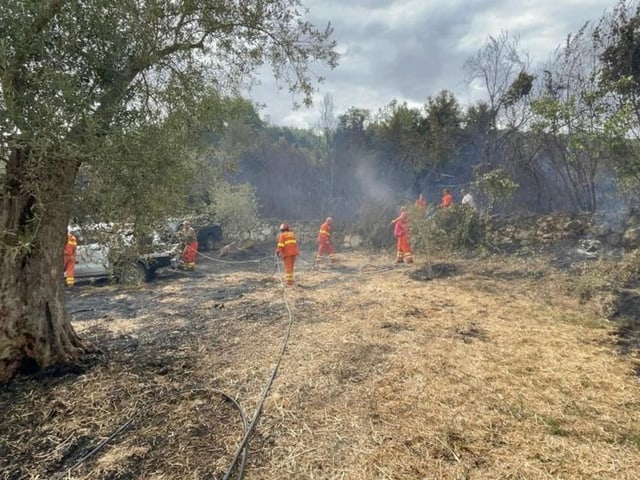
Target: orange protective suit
287,248
70,259
447,200
190,250
421,202
402,231
189,255
324,241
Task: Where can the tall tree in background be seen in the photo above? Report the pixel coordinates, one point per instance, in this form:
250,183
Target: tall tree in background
500,69
398,139
353,155
327,126
443,129
229,127
571,115
618,38
78,77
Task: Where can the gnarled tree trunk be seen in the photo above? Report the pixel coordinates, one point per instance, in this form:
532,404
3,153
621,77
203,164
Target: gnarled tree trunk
35,330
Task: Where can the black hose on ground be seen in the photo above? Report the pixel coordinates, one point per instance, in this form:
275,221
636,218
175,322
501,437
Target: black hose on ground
265,391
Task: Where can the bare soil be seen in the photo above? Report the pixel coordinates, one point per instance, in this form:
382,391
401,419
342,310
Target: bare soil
452,368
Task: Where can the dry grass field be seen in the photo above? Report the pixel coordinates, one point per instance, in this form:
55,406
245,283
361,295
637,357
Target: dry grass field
455,368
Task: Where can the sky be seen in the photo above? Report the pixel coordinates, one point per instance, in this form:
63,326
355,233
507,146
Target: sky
410,50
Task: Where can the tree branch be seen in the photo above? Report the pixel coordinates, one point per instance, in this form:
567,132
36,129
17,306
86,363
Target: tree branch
23,55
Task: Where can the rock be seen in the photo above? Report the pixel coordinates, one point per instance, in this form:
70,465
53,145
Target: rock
352,241
631,238
525,235
575,227
589,248
614,239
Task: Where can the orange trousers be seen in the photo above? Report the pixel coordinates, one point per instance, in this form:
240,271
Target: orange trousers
189,254
69,269
289,263
404,249
325,248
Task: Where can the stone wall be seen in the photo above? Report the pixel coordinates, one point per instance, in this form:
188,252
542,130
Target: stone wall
306,235
613,229
266,232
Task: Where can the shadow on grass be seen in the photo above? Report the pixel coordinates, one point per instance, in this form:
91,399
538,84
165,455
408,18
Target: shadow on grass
626,314
437,270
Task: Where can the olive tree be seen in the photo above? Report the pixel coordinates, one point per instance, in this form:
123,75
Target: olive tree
79,79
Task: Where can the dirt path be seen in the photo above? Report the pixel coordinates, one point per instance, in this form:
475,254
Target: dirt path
461,368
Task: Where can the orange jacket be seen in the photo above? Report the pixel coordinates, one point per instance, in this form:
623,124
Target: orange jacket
324,235
402,227
421,202
287,245
70,246
447,200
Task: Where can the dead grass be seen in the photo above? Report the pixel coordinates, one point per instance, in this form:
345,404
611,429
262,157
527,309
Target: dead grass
461,368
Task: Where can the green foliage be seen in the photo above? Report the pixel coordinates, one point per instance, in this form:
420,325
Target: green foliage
520,88
125,105
444,128
374,223
497,186
396,136
626,162
555,426
354,121
621,57
458,227
618,41
234,206
143,175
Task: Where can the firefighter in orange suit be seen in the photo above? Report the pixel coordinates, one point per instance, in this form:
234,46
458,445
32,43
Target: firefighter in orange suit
401,231
70,258
190,242
324,241
287,248
447,198
421,202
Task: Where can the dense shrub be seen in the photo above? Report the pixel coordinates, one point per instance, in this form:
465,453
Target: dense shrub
234,206
374,224
454,228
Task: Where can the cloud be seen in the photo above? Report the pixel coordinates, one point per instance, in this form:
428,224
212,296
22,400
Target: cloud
410,50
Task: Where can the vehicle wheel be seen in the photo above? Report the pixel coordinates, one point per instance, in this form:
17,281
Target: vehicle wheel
133,274
210,242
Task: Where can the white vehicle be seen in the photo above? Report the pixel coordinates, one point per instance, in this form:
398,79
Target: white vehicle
102,253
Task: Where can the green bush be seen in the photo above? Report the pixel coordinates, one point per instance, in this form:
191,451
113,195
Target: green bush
497,186
234,206
374,224
454,228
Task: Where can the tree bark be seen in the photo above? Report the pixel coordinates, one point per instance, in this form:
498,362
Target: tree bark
35,330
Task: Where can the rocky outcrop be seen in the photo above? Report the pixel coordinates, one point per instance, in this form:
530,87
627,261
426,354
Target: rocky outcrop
613,229
608,229
530,229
